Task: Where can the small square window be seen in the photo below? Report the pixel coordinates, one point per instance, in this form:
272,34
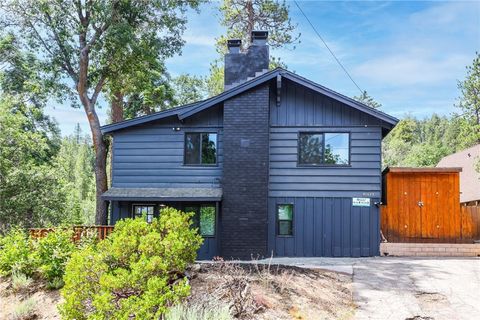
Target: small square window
200,148
143,211
285,219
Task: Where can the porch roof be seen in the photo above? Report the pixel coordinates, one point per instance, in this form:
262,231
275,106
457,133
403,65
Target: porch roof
163,194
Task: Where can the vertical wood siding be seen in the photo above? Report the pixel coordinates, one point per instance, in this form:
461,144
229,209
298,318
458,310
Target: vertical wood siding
151,155
300,106
327,227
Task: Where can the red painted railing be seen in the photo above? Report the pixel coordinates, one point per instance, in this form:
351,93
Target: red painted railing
78,231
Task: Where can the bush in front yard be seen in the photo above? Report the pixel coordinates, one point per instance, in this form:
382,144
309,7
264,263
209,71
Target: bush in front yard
137,272
51,255
16,253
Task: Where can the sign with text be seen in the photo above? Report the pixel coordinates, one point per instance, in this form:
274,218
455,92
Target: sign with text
361,202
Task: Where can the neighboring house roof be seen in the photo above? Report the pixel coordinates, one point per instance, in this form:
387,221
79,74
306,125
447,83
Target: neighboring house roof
191,109
163,194
469,177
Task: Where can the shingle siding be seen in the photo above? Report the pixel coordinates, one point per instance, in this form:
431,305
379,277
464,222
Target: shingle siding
245,174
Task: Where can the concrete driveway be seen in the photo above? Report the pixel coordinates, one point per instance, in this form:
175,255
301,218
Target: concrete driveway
408,288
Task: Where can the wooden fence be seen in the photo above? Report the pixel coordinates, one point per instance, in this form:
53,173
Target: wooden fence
78,231
423,205
456,226
470,220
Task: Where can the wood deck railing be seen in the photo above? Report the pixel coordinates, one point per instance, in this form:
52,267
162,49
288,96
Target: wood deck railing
78,231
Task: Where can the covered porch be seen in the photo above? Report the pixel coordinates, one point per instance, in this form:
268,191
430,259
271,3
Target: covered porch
149,203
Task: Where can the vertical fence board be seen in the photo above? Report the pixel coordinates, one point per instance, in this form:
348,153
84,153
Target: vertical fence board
440,219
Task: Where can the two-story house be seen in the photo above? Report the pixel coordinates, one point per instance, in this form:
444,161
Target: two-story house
276,164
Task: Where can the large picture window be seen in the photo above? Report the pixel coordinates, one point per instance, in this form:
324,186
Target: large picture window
142,210
204,219
285,219
200,148
323,148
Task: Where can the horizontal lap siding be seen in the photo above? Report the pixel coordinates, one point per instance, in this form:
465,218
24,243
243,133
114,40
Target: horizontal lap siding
303,110
325,222
361,178
151,155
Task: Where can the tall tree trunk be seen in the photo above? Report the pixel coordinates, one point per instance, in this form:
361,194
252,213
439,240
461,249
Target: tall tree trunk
100,163
250,22
117,107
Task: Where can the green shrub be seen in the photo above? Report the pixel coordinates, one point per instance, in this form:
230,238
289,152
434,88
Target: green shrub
137,272
51,255
24,310
194,312
16,253
20,282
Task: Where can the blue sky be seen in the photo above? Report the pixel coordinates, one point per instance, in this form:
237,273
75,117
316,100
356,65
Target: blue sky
407,54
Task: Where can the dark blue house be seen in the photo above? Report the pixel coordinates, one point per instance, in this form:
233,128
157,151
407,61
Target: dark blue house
276,164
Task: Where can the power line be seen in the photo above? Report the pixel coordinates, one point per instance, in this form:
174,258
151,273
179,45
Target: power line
326,45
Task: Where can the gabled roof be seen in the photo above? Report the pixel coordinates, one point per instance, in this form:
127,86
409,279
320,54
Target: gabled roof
469,177
191,109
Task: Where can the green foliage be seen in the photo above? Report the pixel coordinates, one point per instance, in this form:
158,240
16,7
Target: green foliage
86,48
74,165
152,97
24,310
20,282
366,99
240,18
52,253
469,102
30,192
189,89
137,272
206,312
422,143
16,253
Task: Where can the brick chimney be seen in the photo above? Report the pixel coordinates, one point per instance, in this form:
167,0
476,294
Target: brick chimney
242,66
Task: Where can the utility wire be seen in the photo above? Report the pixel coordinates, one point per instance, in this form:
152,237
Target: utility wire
326,45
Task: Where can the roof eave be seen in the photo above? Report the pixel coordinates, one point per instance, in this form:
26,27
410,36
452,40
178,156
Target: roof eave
344,99
230,93
144,119
192,199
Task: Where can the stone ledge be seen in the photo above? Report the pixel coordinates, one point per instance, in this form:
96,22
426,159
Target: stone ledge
430,249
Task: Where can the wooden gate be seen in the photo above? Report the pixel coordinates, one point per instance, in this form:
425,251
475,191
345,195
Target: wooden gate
422,205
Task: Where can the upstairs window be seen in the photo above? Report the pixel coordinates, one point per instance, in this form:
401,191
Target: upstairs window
323,149
200,148
141,210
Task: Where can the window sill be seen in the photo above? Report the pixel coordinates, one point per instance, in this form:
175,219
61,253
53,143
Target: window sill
285,236
324,165
200,165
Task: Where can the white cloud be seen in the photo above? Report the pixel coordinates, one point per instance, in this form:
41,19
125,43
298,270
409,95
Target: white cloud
412,67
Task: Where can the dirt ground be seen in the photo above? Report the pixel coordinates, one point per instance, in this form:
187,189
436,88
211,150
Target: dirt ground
45,301
273,292
252,291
